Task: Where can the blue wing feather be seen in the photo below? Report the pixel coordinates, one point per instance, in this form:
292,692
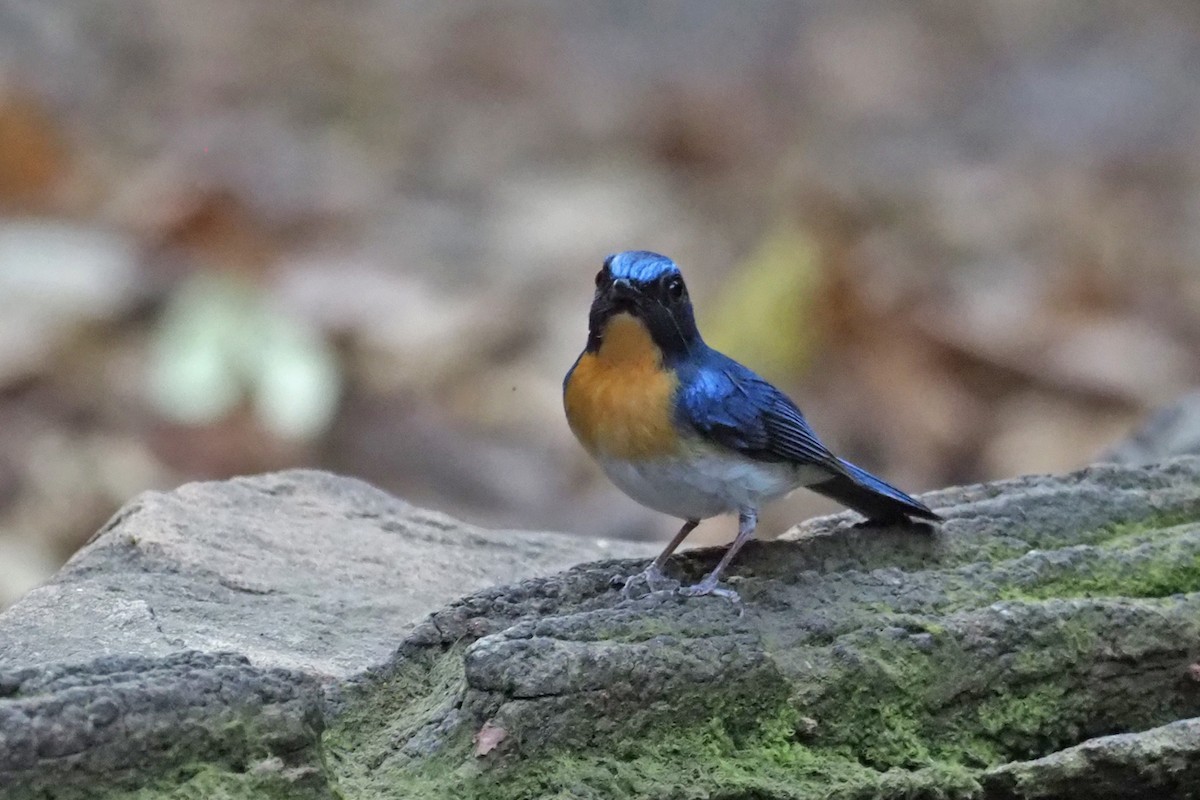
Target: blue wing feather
878,485
731,405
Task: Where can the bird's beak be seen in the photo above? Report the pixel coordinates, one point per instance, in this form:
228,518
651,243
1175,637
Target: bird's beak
623,292
619,296
622,288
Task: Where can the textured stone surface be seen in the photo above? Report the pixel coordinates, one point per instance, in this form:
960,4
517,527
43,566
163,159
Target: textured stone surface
1042,643
303,570
211,625
65,729
865,662
1161,762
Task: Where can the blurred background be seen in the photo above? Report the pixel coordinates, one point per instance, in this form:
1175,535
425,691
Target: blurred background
244,235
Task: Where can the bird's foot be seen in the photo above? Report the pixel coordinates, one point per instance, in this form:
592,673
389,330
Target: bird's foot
655,579
710,587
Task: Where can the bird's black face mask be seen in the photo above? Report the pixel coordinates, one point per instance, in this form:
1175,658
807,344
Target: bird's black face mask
661,304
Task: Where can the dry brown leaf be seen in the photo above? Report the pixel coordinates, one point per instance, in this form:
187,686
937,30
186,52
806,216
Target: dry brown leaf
32,156
488,738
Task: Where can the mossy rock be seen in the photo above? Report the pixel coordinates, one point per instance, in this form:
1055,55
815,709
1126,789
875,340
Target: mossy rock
863,662
1042,643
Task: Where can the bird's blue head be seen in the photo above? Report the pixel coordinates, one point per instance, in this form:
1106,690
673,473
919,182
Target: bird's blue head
640,266
649,287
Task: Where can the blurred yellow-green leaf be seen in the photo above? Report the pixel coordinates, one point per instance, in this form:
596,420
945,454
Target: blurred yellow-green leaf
763,314
296,379
220,342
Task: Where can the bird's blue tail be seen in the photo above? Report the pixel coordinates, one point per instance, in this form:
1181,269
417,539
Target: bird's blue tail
876,500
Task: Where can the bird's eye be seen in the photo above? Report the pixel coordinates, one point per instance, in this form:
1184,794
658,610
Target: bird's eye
674,287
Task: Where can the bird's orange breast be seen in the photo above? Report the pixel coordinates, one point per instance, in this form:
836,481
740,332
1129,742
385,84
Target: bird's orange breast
619,400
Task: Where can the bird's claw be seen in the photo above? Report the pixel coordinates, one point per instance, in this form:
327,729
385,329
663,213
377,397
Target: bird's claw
705,588
655,579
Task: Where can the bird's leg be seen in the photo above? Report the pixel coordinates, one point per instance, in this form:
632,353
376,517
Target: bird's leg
747,520
654,574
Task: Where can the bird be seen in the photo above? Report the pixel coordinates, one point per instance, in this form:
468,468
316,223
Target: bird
687,431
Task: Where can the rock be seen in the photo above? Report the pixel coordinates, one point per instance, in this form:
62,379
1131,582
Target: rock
1160,762
66,729
1170,432
992,657
215,623
863,663
302,570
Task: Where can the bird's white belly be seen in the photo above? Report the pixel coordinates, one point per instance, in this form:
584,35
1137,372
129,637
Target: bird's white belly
704,485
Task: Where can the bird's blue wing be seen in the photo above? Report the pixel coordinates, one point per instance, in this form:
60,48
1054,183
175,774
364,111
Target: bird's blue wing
729,404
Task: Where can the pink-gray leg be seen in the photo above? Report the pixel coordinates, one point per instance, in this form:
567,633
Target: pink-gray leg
654,574
747,520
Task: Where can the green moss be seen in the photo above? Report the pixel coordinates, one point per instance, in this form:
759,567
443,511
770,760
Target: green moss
746,746
211,782
887,703
706,760
366,737
1025,724
872,707
1158,524
1018,542
1152,580
1161,572
1071,641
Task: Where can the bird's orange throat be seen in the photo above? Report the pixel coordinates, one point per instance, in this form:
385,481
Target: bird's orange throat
619,399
